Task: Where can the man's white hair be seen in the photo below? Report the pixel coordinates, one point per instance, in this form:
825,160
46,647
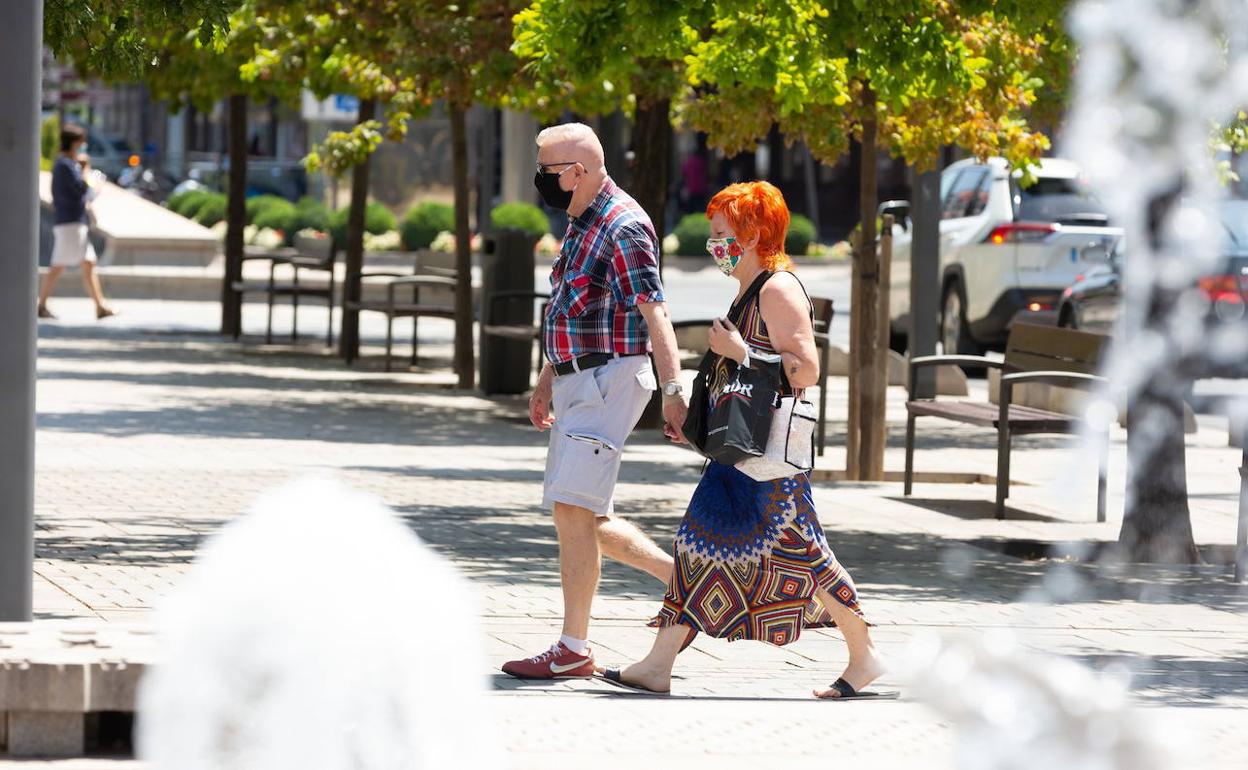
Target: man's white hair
580,137
567,132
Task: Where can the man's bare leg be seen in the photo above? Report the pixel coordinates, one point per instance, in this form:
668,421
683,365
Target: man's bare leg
579,566
623,541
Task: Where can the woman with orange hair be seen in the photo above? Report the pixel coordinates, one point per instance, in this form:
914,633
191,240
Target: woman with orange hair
752,561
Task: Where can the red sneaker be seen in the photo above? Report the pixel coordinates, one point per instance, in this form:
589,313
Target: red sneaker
556,663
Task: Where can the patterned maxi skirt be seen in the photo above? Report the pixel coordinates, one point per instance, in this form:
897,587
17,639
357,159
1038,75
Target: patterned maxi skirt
749,556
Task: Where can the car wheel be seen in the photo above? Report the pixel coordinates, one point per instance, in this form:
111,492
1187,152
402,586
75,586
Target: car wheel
955,337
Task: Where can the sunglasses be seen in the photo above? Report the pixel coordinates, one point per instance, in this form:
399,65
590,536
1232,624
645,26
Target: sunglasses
544,168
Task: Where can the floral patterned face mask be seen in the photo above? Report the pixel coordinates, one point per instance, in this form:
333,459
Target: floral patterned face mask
726,253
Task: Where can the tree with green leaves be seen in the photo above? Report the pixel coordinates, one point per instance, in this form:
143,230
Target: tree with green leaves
597,56
188,67
908,76
406,54
114,37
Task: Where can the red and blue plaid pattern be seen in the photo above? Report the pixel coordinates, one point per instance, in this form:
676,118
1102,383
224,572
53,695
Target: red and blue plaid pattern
609,264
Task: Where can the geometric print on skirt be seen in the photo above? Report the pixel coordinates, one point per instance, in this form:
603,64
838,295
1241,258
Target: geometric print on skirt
749,556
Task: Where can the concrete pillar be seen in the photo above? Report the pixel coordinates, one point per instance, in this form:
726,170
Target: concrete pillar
21,43
519,155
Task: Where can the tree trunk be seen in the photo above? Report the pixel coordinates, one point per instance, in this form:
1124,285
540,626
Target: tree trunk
1157,523
236,217
865,343
652,131
1157,526
349,339
465,365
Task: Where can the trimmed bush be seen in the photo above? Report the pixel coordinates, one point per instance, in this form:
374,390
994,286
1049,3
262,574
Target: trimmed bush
801,233
377,220
212,210
311,214
187,203
423,223
691,234
520,216
278,215
258,204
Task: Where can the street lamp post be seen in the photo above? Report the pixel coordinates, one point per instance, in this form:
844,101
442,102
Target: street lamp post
21,41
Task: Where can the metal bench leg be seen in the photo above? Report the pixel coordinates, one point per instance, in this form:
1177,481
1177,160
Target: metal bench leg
1003,467
1241,533
268,329
294,316
330,335
415,338
909,482
389,338
1102,478
823,398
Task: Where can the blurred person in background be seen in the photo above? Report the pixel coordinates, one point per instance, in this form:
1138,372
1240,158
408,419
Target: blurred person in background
71,245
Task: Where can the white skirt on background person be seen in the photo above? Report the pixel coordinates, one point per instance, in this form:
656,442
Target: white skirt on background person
71,245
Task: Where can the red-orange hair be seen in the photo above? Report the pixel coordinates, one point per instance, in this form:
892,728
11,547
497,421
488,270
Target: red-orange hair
756,208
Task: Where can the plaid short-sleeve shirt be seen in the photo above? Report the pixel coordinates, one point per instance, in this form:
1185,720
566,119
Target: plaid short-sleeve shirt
609,264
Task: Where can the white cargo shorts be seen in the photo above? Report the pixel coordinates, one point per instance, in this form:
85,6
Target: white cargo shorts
595,411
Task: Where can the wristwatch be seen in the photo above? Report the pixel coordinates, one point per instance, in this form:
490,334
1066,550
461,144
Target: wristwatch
672,389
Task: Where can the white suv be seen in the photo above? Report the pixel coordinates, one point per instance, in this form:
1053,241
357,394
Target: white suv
1006,251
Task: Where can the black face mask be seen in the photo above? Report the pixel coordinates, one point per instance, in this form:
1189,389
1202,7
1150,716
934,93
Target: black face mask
555,196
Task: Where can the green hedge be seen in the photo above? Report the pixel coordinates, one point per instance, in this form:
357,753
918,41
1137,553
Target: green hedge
187,203
311,214
520,216
423,223
377,220
212,210
259,204
801,234
691,234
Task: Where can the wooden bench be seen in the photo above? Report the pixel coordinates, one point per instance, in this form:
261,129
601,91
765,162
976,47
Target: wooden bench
308,254
1034,354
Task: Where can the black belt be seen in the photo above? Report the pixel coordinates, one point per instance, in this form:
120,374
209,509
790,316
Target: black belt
589,361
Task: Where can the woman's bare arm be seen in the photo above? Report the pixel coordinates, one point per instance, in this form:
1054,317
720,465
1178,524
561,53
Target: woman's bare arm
787,314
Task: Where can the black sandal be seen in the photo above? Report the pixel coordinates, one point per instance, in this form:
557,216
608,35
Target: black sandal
612,676
847,692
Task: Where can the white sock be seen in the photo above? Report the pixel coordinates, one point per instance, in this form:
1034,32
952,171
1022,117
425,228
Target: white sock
579,646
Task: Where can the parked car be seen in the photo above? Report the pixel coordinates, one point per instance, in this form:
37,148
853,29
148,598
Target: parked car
1093,302
1006,251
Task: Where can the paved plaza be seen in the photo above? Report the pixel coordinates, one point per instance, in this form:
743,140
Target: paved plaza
153,433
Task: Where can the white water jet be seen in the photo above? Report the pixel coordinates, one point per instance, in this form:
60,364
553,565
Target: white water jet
318,632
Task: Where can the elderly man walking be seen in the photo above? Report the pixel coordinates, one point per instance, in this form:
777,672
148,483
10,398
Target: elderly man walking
606,313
